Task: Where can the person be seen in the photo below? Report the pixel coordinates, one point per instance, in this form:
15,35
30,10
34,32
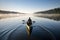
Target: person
29,22
29,27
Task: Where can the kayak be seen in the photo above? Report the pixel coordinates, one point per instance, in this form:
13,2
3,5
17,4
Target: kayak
29,29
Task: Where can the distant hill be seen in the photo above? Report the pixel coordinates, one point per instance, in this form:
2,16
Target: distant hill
9,12
51,11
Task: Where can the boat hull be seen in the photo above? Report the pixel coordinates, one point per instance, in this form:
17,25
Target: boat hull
29,29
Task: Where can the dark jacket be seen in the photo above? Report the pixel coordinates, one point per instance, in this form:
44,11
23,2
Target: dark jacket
29,22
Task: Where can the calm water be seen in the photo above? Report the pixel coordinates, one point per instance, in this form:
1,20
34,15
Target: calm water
42,29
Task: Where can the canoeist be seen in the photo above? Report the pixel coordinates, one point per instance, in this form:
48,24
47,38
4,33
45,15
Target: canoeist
29,28
29,22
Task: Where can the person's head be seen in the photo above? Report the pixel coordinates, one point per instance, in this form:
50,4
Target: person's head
29,17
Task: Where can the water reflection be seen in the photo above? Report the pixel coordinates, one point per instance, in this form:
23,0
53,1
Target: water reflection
49,16
38,30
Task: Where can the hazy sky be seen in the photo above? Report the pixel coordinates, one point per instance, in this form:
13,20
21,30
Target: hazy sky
28,6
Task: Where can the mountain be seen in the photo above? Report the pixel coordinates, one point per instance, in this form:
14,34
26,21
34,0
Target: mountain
51,11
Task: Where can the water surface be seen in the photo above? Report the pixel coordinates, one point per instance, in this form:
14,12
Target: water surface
42,29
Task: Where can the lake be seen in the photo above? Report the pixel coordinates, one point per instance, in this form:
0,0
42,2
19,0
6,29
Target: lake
42,28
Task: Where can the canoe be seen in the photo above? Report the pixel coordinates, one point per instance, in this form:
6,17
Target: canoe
29,29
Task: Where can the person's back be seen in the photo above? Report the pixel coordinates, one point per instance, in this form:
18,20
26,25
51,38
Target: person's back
29,22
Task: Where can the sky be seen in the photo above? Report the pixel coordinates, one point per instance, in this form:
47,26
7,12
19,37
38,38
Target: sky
28,6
